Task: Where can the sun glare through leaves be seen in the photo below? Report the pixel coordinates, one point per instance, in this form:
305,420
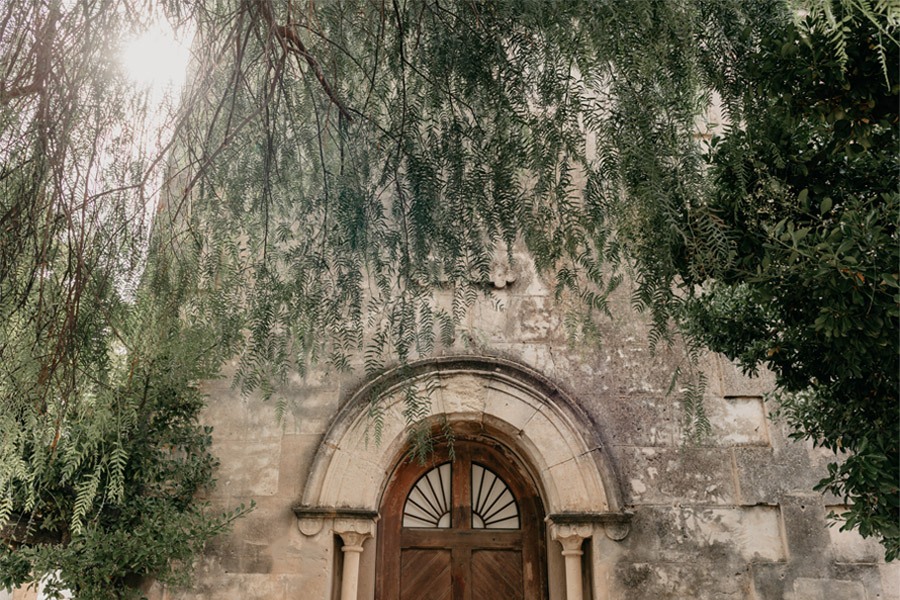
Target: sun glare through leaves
158,58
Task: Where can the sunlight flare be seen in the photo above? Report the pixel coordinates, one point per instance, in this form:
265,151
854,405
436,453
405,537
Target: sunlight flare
157,58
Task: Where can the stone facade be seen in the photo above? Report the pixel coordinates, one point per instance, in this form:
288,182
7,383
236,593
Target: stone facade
635,512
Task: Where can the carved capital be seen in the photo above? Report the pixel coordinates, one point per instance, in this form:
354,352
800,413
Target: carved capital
617,530
311,520
310,525
616,525
354,531
571,536
353,540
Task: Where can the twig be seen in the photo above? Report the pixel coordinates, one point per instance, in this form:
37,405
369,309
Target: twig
291,42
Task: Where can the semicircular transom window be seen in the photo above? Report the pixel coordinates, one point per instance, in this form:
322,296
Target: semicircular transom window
493,505
428,504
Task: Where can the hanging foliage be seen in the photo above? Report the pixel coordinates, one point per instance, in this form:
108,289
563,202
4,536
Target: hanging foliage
330,165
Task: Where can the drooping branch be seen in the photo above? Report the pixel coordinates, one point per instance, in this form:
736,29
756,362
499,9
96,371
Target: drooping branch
6,96
290,40
41,61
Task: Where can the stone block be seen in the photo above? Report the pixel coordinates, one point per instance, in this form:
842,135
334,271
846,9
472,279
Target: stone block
826,589
765,475
237,417
25,593
365,438
222,555
319,375
629,367
310,409
806,530
890,580
679,581
255,558
533,319
738,421
706,534
459,394
769,581
312,584
254,587
310,556
509,405
867,575
735,383
247,469
489,319
638,419
297,453
156,591
269,522
361,480
528,282
849,546
251,546
573,494
540,357
543,433
755,530
709,366
352,480
675,476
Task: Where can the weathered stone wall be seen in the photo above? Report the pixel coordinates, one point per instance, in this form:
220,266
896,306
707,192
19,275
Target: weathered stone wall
733,516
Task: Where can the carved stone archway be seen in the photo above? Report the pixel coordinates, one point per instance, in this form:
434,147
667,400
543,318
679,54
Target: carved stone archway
512,403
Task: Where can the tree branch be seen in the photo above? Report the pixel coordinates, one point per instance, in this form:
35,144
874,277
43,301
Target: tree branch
291,42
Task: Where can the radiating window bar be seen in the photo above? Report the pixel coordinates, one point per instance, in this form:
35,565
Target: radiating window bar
428,504
493,505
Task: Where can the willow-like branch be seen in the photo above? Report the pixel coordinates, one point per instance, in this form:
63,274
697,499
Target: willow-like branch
290,41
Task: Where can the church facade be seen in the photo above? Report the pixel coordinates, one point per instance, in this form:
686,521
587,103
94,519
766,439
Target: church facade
560,471
568,476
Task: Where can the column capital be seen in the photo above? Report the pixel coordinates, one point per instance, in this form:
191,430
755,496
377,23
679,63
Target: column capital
354,530
615,525
353,540
311,520
571,536
569,532
354,526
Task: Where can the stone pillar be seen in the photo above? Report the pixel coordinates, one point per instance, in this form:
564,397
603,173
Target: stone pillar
353,533
571,537
353,525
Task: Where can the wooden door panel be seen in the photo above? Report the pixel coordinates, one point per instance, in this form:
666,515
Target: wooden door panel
497,574
475,538
464,558
425,574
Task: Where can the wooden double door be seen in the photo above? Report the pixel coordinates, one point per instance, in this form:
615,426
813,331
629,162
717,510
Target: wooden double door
468,525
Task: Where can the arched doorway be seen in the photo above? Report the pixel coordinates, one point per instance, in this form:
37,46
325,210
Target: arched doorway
466,525
540,432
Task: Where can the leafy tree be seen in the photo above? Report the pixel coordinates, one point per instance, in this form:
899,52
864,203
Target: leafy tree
332,165
102,456
805,182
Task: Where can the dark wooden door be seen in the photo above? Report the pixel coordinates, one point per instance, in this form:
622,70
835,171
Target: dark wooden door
468,527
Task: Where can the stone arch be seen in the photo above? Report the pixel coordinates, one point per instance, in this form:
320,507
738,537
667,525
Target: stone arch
516,404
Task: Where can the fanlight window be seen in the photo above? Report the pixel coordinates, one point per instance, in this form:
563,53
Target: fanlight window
428,504
493,505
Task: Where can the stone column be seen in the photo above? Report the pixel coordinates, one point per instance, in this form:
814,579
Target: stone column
353,533
571,537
